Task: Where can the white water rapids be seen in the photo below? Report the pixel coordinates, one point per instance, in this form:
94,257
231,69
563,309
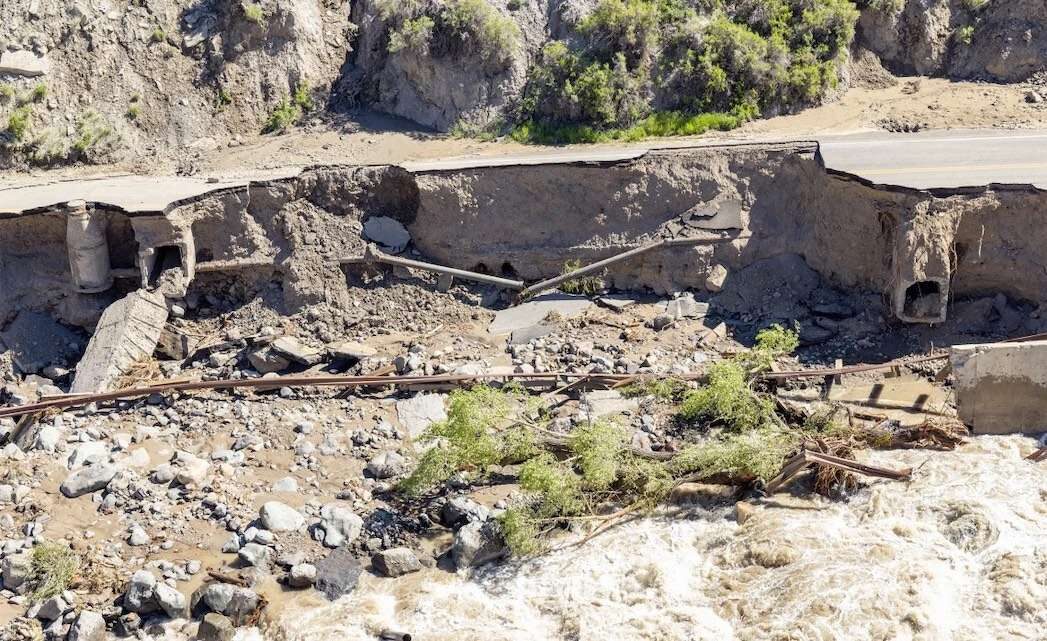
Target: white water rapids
959,553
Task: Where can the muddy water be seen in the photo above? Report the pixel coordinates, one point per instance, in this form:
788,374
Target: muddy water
959,553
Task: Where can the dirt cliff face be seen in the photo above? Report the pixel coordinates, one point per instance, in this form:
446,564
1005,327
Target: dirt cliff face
165,74
998,41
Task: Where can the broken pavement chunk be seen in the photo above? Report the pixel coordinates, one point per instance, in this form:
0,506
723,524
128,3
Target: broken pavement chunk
290,347
387,232
1001,388
686,307
23,63
128,332
352,350
535,310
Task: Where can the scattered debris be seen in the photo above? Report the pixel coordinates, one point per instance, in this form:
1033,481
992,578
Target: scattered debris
1001,388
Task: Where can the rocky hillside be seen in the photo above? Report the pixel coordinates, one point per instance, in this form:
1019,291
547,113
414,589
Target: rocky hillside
130,79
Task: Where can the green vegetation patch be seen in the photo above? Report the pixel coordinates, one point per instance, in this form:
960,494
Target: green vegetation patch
52,568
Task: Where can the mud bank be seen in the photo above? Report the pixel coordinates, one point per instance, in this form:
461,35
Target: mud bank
742,204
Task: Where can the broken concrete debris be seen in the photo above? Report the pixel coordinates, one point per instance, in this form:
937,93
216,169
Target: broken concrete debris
23,63
538,309
127,333
387,232
1001,388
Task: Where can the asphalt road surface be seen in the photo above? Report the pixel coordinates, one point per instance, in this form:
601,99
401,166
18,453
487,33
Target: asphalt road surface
926,160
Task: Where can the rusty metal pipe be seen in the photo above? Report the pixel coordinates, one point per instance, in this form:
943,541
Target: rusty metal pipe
372,255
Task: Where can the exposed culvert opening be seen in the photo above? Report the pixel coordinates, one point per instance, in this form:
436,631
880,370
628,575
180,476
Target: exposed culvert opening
923,301
508,271
164,258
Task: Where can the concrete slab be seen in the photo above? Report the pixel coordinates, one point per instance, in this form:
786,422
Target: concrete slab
601,403
1001,388
527,334
686,307
128,332
23,63
536,310
133,194
36,340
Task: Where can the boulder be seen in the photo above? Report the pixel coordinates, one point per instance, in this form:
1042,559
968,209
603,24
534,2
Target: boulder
254,555
215,627
23,63
89,626
233,601
139,595
267,361
279,517
339,524
477,543
302,575
386,465
291,348
87,480
396,562
417,413
15,571
338,573
171,601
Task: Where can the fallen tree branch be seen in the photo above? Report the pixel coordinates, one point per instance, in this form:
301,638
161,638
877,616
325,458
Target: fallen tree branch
1038,455
804,458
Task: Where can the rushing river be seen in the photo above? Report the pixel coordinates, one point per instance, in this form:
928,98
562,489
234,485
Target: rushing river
958,553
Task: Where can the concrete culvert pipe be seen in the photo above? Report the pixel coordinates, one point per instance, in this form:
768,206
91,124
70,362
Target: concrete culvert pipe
88,248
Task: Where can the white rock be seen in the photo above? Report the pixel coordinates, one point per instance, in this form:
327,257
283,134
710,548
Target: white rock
278,517
340,525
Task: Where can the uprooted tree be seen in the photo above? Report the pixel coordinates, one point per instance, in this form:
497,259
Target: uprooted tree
736,434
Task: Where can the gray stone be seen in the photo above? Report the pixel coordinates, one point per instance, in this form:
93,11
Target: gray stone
87,480
536,310
7,494
23,63
600,403
233,601
52,609
291,348
89,626
138,537
190,470
171,601
254,555
286,484
90,452
15,571
340,524
352,350
525,335
396,562
302,575
279,517
477,543
215,627
686,307
266,361
127,333
139,595
1001,388
386,465
462,509
338,573
387,232
417,413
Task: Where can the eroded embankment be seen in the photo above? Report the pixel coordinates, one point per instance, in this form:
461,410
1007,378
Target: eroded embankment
742,203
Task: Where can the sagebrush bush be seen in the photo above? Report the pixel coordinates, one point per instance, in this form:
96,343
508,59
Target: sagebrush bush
413,35
52,567
18,123
694,57
286,114
93,133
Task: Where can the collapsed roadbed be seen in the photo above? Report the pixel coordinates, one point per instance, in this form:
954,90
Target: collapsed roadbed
167,366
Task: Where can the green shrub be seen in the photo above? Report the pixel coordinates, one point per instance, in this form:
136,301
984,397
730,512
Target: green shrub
889,7
38,93
756,454
393,10
134,111
52,568
48,147
158,35
223,98
19,122
468,440
303,97
598,446
482,29
92,132
253,12
629,27
665,389
7,93
584,286
975,5
413,35
965,34
284,116
726,399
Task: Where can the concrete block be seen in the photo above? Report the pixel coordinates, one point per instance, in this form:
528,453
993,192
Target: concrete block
23,63
128,332
1001,388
